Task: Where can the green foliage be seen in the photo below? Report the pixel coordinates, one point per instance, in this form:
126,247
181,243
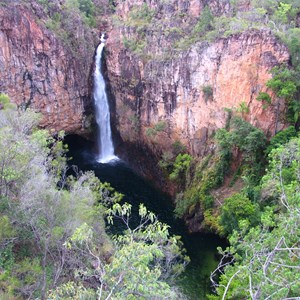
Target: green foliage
209,174
236,209
72,291
283,12
245,137
181,166
5,102
85,8
243,108
208,92
140,15
135,121
205,22
168,158
71,22
240,138
158,127
139,20
52,227
135,45
150,132
265,98
285,83
266,256
281,138
144,257
292,40
178,148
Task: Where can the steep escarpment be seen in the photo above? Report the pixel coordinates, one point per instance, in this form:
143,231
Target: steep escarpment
38,69
167,91
180,71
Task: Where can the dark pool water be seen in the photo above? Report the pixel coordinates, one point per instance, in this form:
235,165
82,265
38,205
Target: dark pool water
200,248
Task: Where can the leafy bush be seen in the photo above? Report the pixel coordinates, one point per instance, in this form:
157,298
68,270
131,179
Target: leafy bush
178,147
180,167
243,108
208,92
265,98
158,127
205,22
56,229
281,138
235,209
5,102
265,254
285,83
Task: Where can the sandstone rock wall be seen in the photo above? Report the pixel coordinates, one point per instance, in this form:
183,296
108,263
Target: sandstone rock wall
192,91
36,70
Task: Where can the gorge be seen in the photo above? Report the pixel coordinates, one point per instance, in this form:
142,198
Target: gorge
201,248
200,98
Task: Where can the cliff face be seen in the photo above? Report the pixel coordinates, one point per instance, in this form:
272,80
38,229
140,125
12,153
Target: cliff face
36,70
160,99
182,93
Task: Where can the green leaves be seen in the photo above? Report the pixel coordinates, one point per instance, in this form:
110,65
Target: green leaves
180,166
267,256
144,257
285,83
5,102
58,223
235,209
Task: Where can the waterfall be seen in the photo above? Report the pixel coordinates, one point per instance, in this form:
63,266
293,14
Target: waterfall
105,144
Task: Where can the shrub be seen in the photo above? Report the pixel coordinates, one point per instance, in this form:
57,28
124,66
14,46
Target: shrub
281,138
236,208
265,98
160,126
4,101
181,165
243,108
208,92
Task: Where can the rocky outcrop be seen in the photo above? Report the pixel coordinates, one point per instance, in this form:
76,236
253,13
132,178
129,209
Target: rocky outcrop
187,97
38,71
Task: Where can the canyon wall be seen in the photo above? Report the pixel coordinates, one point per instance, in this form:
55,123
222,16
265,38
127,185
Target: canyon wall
37,70
162,94
162,97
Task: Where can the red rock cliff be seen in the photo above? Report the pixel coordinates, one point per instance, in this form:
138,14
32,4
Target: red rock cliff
187,94
36,70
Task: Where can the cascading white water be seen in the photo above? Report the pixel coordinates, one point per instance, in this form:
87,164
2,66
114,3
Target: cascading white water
105,144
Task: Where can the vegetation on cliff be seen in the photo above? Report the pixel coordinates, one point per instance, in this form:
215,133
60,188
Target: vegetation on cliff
54,240
263,259
181,29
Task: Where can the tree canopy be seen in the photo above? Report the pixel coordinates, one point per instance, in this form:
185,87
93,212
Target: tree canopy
54,243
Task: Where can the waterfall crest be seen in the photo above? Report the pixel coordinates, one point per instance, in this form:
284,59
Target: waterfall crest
105,144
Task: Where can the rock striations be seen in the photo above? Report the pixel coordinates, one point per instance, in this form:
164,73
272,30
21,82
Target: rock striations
161,96
37,71
192,91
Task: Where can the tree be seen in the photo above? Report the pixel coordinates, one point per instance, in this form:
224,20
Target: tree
181,165
285,83
40,208
235,209
145,257
264,260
